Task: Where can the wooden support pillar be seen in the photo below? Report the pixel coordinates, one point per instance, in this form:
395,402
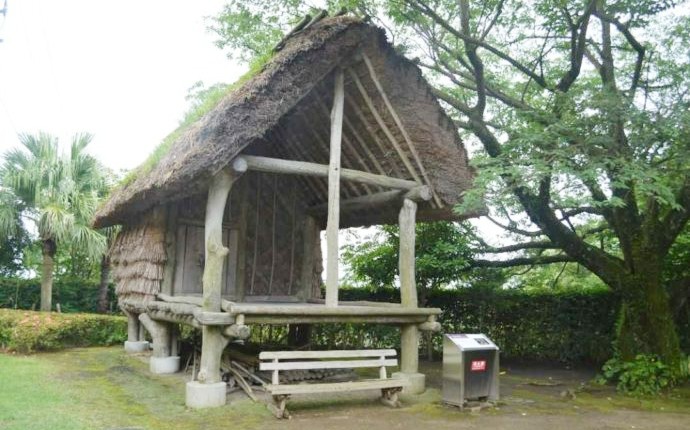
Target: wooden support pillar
409,333
409,349
333,224
132,327
406,256
213,341
160,335
310,240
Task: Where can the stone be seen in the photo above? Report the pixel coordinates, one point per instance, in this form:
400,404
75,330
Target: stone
164,365
198,395
416,382
135,347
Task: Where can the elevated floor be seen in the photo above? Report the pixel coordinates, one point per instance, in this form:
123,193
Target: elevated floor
187,309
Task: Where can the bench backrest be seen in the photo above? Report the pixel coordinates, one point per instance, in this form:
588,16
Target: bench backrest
345,359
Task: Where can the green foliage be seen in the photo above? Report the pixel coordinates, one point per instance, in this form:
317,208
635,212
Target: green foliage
646,375
442,256
26,331
73,295
569,327
57,193
250,29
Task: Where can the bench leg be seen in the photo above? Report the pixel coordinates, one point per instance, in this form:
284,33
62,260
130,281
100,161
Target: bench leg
389,397
279,406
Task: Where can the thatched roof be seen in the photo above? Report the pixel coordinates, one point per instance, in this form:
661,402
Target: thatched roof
283,112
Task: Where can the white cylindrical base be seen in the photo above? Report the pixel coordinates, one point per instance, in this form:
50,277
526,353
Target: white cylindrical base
200,395
163,365
416,382
133,347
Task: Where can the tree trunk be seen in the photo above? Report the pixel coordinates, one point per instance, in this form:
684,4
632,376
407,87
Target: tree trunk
103,286
645,323
49,248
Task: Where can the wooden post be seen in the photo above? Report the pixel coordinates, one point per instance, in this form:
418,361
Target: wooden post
132,327
310,237
409,333
213,342
409,349
170,248
333,224
406,256
242,243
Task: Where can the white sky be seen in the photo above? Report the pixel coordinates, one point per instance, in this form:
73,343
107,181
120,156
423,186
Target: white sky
119,70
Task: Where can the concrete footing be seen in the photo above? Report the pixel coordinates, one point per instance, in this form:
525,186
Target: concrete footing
416,382
134,347
200,395
163,365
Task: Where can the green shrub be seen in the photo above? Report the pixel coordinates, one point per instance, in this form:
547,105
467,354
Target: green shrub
27,331
646,375
73,295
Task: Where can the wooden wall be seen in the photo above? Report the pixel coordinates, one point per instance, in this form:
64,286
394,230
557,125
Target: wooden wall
264,228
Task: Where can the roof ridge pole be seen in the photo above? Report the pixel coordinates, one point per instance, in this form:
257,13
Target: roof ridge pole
333,224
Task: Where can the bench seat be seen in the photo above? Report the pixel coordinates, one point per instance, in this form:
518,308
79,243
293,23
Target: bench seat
335,387
349,359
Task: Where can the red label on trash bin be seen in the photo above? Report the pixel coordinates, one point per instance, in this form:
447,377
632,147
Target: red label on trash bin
478,366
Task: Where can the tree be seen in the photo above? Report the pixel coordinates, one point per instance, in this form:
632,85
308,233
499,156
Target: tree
581,112
56,194
443,255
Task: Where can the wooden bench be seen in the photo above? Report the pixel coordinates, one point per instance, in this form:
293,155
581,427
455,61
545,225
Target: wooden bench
275,361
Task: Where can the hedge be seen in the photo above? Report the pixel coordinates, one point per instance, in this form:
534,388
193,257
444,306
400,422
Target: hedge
544,326
28,331
72,295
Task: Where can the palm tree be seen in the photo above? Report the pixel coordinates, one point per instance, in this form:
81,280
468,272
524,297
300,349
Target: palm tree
57,194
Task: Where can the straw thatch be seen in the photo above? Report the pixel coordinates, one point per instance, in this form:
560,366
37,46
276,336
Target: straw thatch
283,112
138,258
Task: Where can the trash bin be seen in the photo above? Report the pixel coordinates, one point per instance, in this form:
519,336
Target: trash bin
470,369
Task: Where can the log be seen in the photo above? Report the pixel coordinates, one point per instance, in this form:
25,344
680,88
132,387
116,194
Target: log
406,257
292,167
334,170
213,342
421,193
237,331
398,122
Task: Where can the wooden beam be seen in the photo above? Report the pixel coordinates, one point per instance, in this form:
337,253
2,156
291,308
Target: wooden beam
321,106
213,342
241,273
398,122
321,145
382,124
406,256
377,140
310,239
291,167
293,148
170,248
421,193
213,239
334,172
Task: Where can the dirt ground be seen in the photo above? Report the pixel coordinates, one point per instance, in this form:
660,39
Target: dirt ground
103,388
535,398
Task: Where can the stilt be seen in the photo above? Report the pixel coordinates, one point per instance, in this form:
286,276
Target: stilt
209,390
161,360
409,333
134,343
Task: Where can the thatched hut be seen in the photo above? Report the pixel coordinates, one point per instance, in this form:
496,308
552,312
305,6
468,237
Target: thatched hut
337,130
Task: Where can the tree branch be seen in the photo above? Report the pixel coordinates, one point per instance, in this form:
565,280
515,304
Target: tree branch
426,10
521,261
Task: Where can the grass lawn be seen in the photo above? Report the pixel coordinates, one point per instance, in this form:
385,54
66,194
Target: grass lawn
103,388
